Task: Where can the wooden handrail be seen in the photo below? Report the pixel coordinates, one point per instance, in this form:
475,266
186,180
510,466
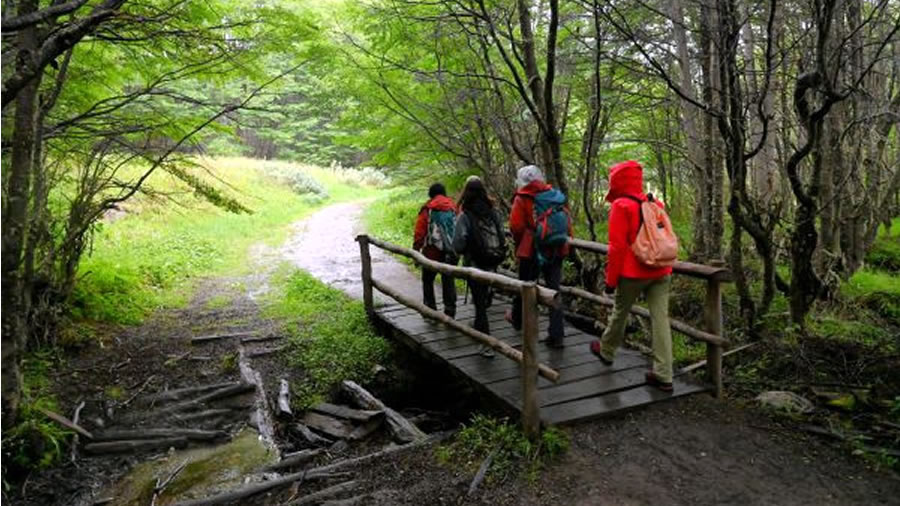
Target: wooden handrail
677,325
545,295
496,344
691,269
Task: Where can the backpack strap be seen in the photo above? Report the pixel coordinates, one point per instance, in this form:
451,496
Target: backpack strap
640,211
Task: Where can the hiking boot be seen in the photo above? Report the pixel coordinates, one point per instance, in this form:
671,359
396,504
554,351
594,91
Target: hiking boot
486,351
654,381
596,350
450,312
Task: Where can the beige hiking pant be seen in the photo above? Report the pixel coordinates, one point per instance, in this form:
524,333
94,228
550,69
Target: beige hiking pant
657,292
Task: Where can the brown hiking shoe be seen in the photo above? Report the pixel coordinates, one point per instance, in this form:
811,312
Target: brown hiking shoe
654,381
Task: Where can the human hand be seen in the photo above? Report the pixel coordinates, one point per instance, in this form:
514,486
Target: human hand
609,290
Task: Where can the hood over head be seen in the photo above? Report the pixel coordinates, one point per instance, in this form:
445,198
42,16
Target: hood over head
528,174
441,203
625,178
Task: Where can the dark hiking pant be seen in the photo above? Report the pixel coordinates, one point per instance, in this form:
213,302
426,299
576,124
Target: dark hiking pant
529,270
481,295
448,287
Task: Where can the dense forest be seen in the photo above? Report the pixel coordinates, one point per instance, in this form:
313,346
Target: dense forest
771,129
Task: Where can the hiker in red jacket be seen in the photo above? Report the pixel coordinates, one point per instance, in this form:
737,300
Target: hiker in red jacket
532,263
629,278
434,237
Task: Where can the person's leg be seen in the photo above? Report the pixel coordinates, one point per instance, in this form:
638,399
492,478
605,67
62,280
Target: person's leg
479,297
626,293
552,272
448,289
658,302
428,288
528,271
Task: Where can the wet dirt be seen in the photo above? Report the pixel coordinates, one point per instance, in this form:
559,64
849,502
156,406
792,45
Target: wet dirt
324,246
691,451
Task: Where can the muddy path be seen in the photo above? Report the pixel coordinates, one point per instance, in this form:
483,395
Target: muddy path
691,451
324,246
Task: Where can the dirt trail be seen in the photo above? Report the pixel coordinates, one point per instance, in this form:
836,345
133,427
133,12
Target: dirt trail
324,246
692,451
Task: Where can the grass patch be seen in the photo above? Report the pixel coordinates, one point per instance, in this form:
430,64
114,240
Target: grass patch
392,217
885,253
330,338
149,257
218,301
513,453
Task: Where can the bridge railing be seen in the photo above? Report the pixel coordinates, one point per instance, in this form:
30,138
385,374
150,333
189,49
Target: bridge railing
713,336
532,295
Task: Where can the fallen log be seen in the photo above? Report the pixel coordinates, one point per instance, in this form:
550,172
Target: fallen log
482,472
311,437
260,339
267,351
284,398
216,337
702,363
325,493
160,433
258,488
437,437
222,393
330,426
65,422
294,459
132,446
336,411
366,429
401,428
202,415
183,393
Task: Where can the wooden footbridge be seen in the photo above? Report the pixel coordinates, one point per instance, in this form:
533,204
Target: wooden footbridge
546,385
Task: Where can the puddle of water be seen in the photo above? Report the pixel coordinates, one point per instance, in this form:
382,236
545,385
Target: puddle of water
208,471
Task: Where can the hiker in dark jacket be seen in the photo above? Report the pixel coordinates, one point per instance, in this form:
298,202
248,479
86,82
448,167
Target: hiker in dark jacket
530,183
479,237
629,278
434,238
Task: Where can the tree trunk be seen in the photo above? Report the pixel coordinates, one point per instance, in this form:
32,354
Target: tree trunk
15,220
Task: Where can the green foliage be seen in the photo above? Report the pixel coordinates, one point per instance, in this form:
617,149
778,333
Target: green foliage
512,452
330,337
35,442
393,217
885,253
149,257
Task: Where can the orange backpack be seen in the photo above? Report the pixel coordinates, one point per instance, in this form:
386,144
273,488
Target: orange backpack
655,245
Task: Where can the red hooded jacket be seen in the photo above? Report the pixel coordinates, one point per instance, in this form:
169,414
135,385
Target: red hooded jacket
626,178
439,203
521,219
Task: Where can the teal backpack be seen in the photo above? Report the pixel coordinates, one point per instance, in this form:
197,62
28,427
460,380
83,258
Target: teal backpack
551,219
441,226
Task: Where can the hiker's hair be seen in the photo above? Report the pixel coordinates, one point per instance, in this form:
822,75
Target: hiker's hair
475,198
435,190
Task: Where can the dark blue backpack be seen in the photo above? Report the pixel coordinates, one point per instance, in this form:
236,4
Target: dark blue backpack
551,219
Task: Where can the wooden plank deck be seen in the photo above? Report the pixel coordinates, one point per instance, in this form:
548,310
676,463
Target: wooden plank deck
586,389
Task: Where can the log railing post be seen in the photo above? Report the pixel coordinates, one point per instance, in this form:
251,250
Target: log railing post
366,261
531,417
713,316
